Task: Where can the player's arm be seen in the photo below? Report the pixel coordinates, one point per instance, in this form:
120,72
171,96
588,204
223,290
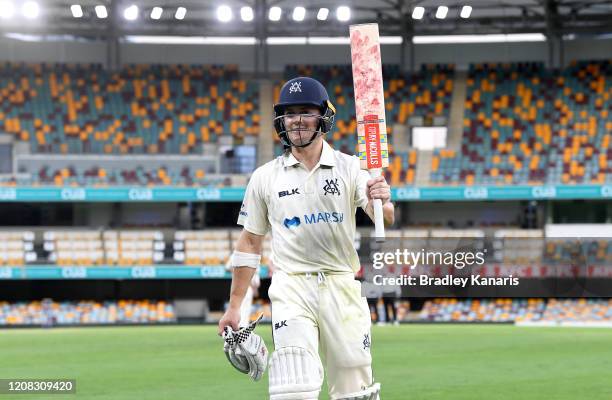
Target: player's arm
245,260
378,188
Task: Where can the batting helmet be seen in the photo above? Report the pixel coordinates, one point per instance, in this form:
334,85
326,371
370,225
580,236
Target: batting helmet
303,91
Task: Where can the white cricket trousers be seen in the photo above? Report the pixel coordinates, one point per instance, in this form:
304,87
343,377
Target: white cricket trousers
325,311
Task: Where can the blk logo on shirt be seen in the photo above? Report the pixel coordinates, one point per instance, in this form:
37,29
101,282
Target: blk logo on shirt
288,193
279,325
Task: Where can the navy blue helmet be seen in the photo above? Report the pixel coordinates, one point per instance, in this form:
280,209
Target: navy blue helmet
298,92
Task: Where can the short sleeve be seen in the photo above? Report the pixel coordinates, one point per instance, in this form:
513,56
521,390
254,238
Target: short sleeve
362,178
253,214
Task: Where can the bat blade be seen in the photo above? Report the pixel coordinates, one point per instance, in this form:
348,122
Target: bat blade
369,96
370,107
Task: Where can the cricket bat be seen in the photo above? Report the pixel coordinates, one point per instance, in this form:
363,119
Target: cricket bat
370,108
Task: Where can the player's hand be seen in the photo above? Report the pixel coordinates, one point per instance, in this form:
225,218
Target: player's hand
378,188
231,318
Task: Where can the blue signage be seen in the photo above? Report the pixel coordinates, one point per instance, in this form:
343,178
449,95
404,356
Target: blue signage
113,272
236,194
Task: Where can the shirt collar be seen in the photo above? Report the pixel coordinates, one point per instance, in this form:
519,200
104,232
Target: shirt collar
327,157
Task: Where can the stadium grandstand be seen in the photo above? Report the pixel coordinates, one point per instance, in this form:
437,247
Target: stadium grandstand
129,132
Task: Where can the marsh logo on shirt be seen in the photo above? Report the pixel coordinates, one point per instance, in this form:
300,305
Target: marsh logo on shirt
325,217
292,222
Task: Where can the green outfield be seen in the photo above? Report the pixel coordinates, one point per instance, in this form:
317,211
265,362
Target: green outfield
411,361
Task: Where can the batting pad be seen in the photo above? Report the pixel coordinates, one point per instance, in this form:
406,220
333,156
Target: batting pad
370,393
295,374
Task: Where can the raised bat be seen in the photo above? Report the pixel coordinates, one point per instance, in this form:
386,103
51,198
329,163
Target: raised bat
370,108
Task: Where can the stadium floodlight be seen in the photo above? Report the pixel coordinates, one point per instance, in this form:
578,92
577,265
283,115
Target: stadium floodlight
156,12
191,40
246,14
322,14
343,13
466,11
391,40
101,12
224,13
285,40
30,9
180,13
490,38
325,40
275,14
441,12
7,10
131,12
418,12
77,11
299,13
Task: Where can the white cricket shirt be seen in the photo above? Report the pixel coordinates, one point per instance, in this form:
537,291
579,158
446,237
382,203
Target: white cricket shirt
311,213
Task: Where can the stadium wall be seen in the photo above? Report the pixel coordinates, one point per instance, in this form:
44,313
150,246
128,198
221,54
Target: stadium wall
281,55
439,214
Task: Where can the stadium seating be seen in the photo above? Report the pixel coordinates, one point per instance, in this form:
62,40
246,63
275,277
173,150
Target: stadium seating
485,310
579,251
96,176
525,124
88,247
141,109
83,248
16,248
125,248
48,313
571,310
209,247
402,168
519,246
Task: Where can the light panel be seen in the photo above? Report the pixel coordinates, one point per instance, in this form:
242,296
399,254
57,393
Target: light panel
76,10
156,12
180,13
343,13
322,14
224,13
418,13
275,14
246,14
101,12
299,13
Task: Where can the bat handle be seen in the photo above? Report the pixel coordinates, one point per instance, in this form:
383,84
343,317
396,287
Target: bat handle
379,223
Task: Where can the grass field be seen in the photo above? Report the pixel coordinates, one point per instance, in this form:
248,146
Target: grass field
411,361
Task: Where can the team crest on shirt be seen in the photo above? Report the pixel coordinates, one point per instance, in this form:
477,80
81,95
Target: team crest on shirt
331,187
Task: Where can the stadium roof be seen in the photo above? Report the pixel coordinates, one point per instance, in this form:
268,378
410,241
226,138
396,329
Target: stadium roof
550,17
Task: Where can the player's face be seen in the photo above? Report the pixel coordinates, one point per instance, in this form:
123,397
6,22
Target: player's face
301,122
